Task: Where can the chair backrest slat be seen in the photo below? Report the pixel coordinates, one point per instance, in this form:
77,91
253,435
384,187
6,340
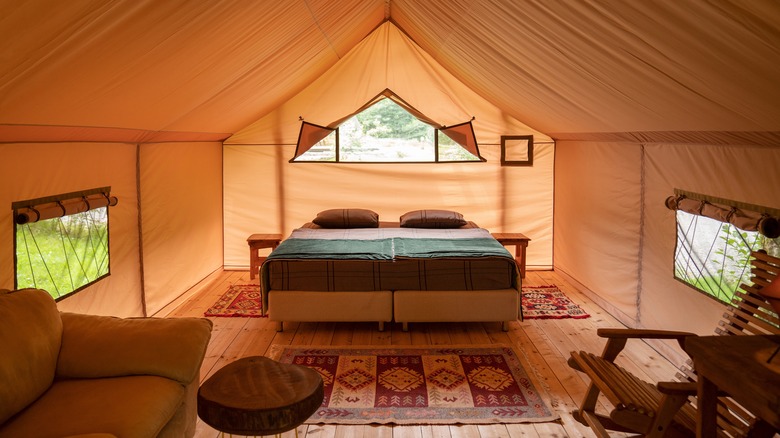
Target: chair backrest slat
754,314
748,314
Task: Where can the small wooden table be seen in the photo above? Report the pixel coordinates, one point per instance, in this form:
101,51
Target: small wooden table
259,396
736,365
520,241
258,241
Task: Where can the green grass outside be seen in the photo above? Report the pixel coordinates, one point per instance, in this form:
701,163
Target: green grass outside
62,255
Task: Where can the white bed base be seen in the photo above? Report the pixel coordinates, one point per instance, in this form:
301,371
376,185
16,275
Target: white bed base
402,306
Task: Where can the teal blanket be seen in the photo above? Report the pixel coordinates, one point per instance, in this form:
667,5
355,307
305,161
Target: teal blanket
448,248
388,249
380,249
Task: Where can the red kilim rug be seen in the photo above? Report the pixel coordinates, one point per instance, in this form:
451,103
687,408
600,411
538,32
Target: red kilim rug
413,385
539,302
548,302
239,300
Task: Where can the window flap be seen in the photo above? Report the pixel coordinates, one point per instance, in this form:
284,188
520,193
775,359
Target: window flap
310,135
463,134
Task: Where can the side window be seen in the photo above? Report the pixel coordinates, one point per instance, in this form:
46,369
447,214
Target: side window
61,242
714,240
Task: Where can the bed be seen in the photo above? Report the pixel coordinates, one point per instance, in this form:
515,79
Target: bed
407,271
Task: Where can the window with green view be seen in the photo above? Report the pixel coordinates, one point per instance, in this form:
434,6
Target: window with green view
714,256
62,254
386,132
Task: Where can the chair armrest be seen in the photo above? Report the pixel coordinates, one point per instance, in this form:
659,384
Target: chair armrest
617,337
624,334
641,333
103,346
92,435
677,388
683,388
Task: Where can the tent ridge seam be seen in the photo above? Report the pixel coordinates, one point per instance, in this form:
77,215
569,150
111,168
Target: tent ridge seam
640,251
322,31
140,229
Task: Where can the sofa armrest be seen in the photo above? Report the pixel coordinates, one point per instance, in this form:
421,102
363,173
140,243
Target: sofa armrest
103,346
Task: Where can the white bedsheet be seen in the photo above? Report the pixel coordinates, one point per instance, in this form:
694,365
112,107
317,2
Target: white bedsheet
385,233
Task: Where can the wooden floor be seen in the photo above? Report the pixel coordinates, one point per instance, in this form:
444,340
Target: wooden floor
545,343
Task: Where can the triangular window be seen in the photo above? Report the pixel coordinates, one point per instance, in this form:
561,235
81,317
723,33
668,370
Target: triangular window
386,130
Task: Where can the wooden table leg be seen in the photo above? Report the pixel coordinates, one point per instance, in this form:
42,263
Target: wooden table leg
256,242
520,256
707,408
253,262
520,242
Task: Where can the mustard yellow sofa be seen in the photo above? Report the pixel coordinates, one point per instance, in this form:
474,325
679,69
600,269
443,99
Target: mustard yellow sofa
68,375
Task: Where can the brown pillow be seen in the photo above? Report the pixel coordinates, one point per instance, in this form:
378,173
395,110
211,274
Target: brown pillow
347,218
432,219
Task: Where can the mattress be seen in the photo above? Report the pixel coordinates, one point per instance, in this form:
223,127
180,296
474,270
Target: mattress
389,258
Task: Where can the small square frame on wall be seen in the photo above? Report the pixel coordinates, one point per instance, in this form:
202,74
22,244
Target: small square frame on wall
517,150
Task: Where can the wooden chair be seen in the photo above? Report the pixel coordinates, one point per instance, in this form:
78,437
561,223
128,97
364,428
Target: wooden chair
667,409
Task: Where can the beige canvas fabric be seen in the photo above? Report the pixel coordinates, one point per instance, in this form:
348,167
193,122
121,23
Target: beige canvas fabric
70,167
565,67
641,96
688,65
177,66
387,59
589,208
181,218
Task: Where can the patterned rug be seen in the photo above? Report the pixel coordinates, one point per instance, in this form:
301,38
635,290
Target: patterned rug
239,300
549,302
539,302
413,385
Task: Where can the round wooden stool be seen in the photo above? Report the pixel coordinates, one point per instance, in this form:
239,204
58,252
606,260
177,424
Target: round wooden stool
259,396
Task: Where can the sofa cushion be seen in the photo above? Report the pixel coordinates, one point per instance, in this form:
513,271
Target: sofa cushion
30,334
103,346
133,406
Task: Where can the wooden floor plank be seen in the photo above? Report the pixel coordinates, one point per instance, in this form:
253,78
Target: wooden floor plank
404,431
459,333
544,345
435,431
384,337
363,332
321,431
349,431
521,430
400,337
375,431
477,334
324,333
439,334
419,333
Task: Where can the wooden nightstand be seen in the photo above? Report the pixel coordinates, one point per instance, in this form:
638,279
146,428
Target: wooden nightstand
257,241
520,241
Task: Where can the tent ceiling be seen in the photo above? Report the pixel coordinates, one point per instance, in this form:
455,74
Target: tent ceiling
587,66
216,66
177,65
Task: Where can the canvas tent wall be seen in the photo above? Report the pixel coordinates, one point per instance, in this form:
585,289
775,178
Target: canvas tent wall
264,192
640,97
165,233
